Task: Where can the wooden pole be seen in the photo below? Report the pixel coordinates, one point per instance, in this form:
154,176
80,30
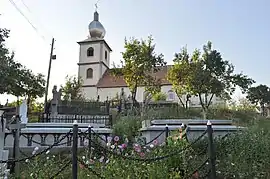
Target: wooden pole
48,75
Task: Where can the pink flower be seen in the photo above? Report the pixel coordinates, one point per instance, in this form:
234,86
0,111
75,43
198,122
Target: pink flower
137,148
142,154
116,138
81,165
155,142
124,146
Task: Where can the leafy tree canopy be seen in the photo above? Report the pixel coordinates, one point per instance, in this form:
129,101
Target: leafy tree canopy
140,62
259,95
15,78
72,88
205,74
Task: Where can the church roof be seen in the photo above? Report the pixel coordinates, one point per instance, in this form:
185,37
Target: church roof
108,80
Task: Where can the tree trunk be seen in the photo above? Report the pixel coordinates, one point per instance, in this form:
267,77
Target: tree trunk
187,100
29,103
180,99
203,107
263,109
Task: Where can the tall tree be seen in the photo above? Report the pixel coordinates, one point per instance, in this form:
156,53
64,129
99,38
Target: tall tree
16,79
8,67
34,85
139,65
259,95
206,74
181,66
72,88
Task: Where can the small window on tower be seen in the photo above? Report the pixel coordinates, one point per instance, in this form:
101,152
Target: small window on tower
89,73
106,55
170,95
90,52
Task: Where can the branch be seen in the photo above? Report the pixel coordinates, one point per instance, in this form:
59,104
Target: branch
181,101
209,102
202,104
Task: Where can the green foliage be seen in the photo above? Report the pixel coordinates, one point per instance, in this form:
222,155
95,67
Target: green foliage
115,166
159,96
72,88
244,155
140,63
259,95
16,79
127,126
205,75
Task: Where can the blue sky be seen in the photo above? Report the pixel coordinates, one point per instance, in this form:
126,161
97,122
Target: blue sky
239,29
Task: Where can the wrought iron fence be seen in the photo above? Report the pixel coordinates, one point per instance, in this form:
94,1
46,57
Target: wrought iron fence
83,108
65,118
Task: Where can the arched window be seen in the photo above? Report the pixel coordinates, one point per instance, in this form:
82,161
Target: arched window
89,73
90,52
170,95
106,55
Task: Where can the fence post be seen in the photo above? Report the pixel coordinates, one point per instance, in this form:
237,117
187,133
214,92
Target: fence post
74,150
89,141
110,121
166,134
212,155
16,147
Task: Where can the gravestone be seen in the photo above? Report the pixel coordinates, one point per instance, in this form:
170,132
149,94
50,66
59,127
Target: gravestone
3,153
23,112
56,100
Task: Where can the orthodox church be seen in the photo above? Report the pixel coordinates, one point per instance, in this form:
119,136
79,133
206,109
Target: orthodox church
94,70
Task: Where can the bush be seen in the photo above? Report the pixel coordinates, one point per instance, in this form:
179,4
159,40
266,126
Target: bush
127,127
159,96
245,154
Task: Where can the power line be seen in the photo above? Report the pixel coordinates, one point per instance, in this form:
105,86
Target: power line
25,5
18,9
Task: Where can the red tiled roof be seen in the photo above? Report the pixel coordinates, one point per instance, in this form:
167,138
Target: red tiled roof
108,80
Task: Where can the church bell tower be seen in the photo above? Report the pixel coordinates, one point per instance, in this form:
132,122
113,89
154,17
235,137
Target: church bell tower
94,57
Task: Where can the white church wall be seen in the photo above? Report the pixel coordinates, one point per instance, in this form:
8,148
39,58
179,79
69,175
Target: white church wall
83,53
90,93
96,74
93,92
112,93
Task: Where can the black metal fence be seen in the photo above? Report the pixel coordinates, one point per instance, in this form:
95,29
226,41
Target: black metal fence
63,118
84,108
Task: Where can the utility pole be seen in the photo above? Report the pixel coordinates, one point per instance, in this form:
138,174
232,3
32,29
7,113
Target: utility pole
52,57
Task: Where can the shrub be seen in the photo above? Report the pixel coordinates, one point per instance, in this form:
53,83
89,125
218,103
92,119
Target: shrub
245,154
159,96
127,126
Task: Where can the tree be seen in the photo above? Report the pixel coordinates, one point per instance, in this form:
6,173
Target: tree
259,95
72,88
173,76
206,74
15,78
140,63
34,85
8,67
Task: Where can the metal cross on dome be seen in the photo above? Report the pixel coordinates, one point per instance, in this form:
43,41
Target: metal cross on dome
96,6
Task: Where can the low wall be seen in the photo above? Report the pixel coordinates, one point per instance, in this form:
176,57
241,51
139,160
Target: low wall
195,128
35,135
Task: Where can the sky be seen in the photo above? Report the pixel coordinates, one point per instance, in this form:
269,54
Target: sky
240,30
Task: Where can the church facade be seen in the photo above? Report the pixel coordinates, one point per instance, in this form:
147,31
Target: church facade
94,70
